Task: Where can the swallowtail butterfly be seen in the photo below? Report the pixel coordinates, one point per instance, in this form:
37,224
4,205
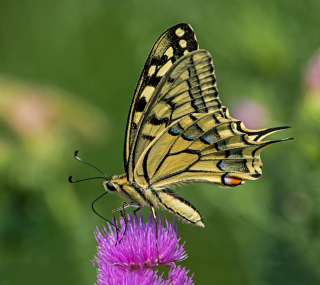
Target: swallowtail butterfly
178,131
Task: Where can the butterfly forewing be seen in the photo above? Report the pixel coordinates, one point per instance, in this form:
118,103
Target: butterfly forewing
172,45
190,79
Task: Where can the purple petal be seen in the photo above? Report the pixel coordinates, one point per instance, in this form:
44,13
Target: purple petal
178,276
110,275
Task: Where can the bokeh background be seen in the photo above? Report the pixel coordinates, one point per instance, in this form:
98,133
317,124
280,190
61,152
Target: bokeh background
68,70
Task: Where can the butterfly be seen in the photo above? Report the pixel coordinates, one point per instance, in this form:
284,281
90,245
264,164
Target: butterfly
178,132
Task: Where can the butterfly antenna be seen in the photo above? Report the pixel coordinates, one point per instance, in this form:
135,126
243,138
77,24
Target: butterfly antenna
78,158
74,181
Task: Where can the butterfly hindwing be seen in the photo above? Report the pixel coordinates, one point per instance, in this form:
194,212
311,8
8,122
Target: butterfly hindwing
172,45
203,148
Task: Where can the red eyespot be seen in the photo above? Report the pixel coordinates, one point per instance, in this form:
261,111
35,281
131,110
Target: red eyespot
229,180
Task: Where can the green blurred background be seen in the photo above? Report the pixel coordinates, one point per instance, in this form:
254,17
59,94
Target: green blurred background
68,70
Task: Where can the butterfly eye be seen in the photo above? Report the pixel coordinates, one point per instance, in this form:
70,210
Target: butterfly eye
110,186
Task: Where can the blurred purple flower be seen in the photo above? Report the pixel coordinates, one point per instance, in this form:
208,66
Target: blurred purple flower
251,113
30,113
312,74
130,260
139,248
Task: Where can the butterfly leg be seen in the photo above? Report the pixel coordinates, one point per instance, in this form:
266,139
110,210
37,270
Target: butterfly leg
136,210
123,214
154,214
124,206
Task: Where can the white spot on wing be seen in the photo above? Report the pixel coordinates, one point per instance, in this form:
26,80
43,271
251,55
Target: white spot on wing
179,32
152,70
183,43
136,117
185,52
169,52
147,92
162,71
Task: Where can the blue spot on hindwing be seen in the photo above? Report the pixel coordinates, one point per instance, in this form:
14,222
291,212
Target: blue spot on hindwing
186,137
221,165
174,131
205,140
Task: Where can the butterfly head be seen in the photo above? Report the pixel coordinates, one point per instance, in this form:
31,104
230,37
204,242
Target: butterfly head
119,184
111,186
115,184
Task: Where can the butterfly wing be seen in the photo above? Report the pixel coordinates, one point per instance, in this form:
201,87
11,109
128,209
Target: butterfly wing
197,140
172,45
188,87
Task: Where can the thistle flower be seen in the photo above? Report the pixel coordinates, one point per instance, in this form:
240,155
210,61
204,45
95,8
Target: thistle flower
140,247
143,246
